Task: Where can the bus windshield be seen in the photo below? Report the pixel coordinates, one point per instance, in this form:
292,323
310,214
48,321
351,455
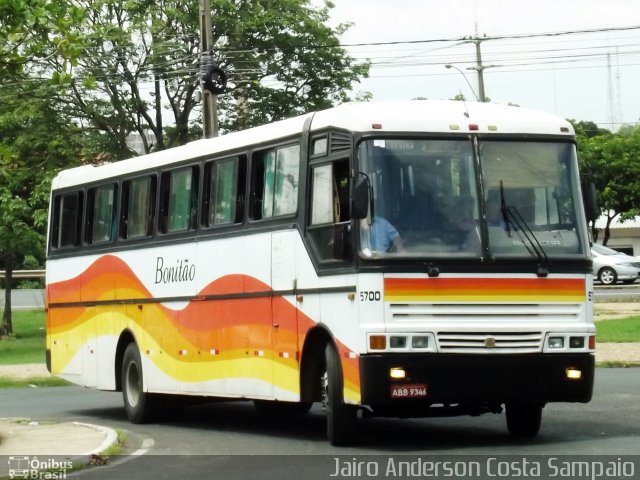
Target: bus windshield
438,197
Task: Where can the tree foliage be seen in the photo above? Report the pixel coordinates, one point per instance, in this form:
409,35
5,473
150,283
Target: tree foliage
33,147
77,78
139,70
33,29
613,162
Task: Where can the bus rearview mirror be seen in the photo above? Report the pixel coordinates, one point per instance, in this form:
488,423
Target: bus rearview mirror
360,198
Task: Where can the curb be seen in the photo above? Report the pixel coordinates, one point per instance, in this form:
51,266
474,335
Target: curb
19,440
110,440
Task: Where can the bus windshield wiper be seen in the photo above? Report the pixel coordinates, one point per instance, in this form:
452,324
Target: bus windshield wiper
512,216
504,210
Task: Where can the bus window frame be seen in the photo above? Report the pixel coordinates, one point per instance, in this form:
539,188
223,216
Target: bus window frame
89,216
240,194
55,235
257,163
192,216
123,234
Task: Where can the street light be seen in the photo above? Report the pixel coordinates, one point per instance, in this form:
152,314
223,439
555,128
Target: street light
448,65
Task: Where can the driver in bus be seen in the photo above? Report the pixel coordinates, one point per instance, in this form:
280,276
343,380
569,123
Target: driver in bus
380,236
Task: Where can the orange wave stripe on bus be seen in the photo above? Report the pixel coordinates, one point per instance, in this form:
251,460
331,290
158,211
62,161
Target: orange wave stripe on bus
225,325
502,290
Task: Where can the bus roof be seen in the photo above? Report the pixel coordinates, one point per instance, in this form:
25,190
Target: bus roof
425,116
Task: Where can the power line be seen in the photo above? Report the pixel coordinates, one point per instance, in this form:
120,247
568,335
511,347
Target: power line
485,37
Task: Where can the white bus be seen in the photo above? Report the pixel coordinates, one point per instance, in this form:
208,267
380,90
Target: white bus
405,259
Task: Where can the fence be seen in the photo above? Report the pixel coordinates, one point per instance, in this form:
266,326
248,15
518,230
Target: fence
24,299
20,274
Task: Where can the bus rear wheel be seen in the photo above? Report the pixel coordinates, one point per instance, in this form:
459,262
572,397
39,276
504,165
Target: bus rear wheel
139,406
524,419
341,418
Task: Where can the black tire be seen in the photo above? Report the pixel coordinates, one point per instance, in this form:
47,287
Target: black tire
629,282
341,418
607,276
524,419
269,407
140,407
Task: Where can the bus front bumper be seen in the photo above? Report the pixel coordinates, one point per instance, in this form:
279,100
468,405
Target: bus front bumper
448,379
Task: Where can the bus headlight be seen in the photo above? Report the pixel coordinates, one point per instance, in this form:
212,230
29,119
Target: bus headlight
573,373
398,342
576,342
420,342
556,342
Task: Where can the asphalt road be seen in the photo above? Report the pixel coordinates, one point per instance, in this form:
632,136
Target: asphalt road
206,442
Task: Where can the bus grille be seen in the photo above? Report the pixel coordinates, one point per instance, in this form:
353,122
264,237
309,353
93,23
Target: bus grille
505,334
482,342
453,312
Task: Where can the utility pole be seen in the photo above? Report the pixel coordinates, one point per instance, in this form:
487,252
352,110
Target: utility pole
209,100
480,68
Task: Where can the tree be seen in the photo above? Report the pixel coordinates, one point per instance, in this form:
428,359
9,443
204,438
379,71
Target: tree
613,161
29,29
32,29
587,129
139,67
33,147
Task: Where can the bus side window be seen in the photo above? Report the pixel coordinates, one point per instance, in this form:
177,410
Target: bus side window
178,200
275,177
101,210
138,207
67,220
330,215
223,196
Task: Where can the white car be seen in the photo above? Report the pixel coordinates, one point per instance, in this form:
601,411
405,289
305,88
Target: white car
611,266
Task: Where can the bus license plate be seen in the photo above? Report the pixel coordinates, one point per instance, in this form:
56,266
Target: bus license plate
416,390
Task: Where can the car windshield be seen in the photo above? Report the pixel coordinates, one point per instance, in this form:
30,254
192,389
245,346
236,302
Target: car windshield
602,250
427,200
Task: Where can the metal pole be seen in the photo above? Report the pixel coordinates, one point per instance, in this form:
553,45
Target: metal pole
480,69
209,100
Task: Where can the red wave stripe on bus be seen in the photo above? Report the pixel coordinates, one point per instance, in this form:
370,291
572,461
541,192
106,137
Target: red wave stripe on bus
485,289
222,324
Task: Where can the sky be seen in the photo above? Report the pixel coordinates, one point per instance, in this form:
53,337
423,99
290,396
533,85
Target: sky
583,76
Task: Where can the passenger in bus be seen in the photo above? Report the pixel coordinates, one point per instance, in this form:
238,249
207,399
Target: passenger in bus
464,227
495,214
380,236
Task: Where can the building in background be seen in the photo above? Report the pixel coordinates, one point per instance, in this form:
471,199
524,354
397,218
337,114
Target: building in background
625,236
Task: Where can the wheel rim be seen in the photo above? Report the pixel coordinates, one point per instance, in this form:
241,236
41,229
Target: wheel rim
607,277
325,392
133,384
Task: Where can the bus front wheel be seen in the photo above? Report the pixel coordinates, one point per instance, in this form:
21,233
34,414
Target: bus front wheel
341,418
138,404
524,419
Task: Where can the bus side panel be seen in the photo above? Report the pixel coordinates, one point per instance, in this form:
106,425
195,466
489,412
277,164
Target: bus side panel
68,323
205,339
66,341
99,319
285,358
336,311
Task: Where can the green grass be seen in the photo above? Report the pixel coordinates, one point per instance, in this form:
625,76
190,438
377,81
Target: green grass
27,345
118,447
622,330
33,382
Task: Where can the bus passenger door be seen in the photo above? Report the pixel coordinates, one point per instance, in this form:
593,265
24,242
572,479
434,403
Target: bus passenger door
286,384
